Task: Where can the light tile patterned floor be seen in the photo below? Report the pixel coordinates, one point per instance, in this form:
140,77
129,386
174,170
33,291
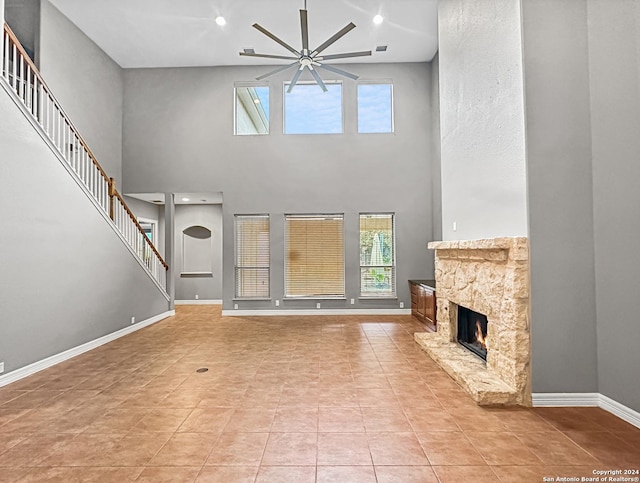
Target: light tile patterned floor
285,399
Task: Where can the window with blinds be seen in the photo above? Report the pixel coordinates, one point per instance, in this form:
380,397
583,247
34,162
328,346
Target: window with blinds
252,256
377,255
314,252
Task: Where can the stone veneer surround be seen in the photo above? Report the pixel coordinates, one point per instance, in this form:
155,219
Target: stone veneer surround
490,276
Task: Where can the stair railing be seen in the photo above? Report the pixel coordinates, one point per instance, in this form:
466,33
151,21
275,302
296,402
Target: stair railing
26,82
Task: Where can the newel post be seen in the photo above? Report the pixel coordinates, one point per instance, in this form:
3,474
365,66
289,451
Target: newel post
112,194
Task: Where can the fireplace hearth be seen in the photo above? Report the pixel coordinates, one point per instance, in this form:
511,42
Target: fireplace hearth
472,331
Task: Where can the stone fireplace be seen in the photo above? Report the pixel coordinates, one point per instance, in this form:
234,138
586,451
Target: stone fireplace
491,277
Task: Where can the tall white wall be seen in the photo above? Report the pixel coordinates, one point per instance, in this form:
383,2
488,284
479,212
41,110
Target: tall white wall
614,63
482,119
88,84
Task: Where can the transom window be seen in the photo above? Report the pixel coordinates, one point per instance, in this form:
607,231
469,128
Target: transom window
377,255
309,110
375,107
251,109
314,256
252,256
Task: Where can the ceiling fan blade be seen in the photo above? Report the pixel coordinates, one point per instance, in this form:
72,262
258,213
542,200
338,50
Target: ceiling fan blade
335,37
279,69
269,56
276,39
304,28
316,76
347,55
337,71
294,81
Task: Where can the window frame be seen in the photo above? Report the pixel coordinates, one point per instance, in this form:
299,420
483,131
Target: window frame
254,84
285,86
388,82
286,295
394,264
236,266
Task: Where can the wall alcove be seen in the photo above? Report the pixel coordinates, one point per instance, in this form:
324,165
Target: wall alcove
196,252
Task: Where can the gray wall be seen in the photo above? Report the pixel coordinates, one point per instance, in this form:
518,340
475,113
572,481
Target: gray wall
187,286
23,16
482,119
560,197
614,60
178,126
66,277
88,85
436,161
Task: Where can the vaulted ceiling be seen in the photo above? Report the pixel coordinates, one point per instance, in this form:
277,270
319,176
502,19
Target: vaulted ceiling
178,33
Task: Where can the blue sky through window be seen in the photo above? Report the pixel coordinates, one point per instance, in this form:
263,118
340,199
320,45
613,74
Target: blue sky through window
374,108
309,110
263,95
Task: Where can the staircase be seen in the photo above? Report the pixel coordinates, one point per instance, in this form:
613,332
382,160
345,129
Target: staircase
21,78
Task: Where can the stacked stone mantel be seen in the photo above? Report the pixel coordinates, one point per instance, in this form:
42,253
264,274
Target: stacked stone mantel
490,276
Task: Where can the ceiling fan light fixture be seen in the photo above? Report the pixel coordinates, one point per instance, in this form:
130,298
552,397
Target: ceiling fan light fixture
220,20
378,19
307,58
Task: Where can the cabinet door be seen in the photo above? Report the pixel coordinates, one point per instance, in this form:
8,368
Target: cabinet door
430,305
422,302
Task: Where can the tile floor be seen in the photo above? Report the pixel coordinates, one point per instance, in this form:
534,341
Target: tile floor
296,399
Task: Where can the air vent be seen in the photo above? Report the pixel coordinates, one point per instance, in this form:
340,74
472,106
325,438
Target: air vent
381,48
249,51
156,201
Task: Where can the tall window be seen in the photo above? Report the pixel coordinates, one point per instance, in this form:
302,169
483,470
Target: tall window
251,109
375,108
314,248
252,256
309,110
377,255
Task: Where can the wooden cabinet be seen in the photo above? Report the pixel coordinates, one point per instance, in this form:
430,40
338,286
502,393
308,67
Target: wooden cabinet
423,301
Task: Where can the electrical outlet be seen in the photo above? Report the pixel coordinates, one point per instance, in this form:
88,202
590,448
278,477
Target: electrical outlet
1,367
277,303
318,305
197,296
235,306
402,305
133,320
353,301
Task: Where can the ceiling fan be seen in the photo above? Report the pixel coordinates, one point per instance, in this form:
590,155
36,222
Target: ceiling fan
306,58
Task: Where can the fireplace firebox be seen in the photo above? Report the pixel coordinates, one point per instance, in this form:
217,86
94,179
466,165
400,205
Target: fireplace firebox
472,331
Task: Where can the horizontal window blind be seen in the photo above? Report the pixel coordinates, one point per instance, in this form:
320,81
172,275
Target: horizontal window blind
377,255
252,256
314,255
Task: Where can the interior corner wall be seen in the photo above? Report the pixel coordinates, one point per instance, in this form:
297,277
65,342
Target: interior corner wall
614,60
482,119
436,159
205,286
563,308
88,84
67,278
23,16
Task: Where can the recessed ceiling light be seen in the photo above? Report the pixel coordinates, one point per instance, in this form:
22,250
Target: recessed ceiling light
221,21
256,101
185,199
378,19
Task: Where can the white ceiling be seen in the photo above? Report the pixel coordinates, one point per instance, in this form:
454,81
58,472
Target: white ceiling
180,33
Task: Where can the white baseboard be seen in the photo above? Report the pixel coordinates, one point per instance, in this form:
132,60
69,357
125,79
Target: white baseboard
592,399
25,371
262,313
197,302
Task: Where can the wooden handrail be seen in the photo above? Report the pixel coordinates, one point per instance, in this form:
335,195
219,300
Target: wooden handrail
112,192
35,70
140,229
